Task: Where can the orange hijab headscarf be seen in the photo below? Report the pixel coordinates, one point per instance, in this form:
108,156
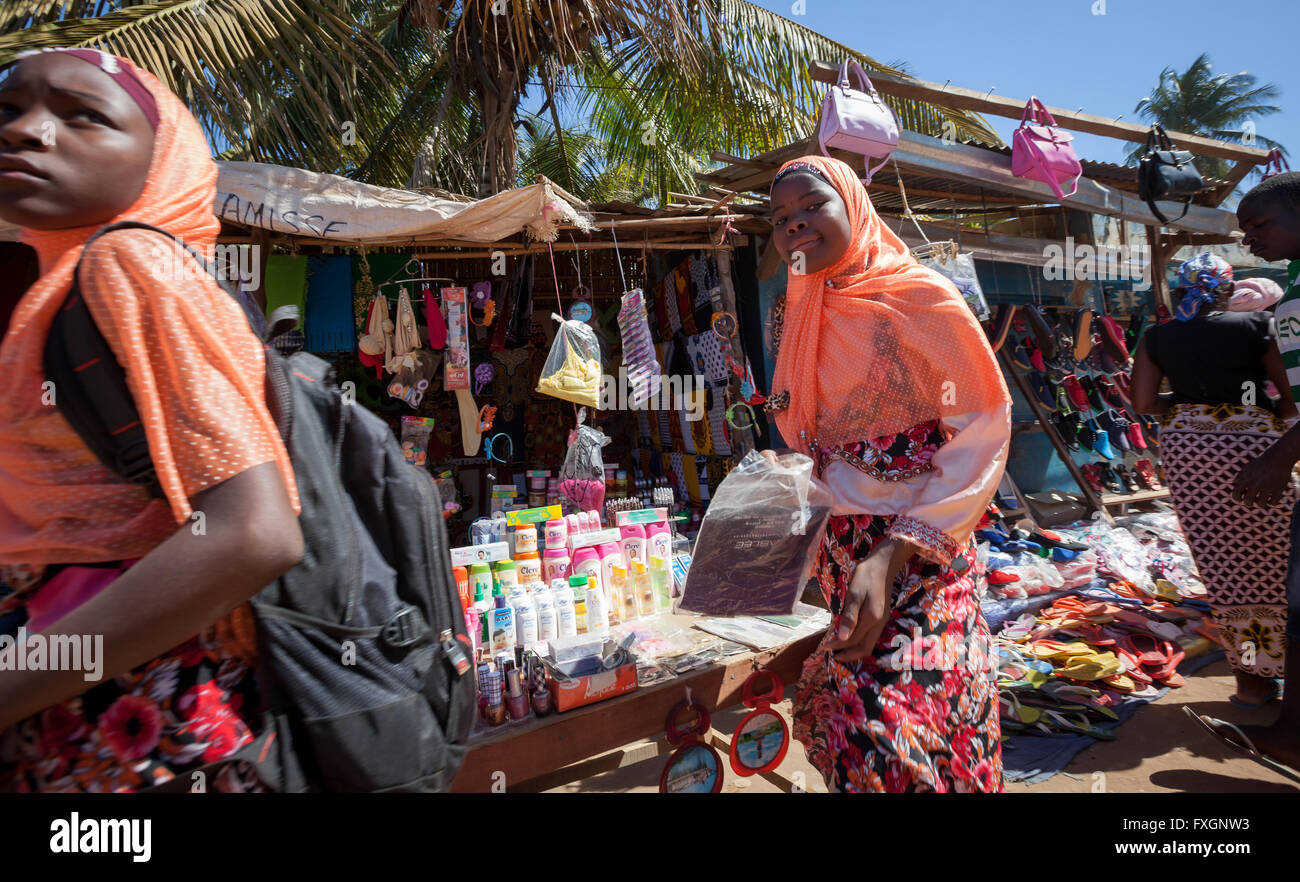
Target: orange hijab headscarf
198,372
877,343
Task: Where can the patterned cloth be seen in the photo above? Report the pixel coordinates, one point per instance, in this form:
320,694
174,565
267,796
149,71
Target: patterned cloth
191,706
1201,277
1240,551
920,713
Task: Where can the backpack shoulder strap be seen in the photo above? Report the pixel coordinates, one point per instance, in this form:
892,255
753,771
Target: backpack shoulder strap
90,387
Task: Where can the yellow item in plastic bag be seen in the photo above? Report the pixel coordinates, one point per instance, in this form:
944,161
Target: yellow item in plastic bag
573,370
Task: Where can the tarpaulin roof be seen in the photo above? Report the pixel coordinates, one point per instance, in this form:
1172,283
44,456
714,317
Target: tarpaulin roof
300,203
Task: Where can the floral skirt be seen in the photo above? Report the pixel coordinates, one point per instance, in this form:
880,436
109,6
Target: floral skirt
1240,551
921,712
194,705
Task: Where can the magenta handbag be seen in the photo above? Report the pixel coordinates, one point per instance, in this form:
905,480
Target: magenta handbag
1275,164
1042,152
857,120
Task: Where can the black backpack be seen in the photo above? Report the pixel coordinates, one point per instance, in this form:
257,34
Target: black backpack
375,571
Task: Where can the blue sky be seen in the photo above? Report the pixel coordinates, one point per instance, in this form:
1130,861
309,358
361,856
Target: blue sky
1069,57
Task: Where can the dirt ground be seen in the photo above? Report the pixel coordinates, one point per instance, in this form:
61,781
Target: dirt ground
1159,750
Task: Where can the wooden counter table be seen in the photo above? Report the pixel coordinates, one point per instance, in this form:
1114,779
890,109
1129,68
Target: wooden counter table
538,754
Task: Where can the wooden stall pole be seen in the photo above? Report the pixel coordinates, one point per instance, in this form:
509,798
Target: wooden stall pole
1160,252
261,251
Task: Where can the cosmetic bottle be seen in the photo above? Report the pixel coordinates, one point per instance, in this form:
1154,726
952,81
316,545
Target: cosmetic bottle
462,586
565,615
516,697
610,556
556,564
661,578
633,543
597,610
623,594
659,540
645,597
495,712
579,594
548,627
501,625
525,539
525,617
529,567
505,575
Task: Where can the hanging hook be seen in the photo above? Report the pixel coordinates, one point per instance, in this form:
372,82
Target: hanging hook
945,85
991,90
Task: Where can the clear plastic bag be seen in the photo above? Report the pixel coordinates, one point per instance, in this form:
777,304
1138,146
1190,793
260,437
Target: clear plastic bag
960,270
759,538
572,370
415,439
582,477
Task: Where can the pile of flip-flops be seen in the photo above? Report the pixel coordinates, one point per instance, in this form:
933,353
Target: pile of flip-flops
1065,668
1025,563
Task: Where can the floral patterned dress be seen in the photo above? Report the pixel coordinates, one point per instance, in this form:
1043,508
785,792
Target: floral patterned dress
920,713
194,705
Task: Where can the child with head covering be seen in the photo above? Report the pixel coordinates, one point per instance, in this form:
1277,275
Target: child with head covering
87,139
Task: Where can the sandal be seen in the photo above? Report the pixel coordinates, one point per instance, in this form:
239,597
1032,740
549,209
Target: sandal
1082,334
1002,325
1076,724
1093,665
1246,747
1147,473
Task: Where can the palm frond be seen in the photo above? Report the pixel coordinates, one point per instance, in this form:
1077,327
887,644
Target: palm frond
279,78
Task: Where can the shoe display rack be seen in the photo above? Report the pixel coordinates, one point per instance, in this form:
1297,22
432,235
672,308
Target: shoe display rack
1072,367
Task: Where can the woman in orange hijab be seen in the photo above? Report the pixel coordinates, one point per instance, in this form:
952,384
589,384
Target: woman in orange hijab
884,376
152,589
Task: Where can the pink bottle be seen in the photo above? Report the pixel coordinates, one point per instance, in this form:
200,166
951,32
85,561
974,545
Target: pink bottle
610,556
556,564
659,541
633,543
586,562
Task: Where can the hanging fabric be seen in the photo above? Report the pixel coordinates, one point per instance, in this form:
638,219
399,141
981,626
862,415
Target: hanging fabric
406,337
520,327
376,346
330,325
433,319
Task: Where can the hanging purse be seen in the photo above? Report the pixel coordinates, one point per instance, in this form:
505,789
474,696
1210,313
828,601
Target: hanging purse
1166,172
857,120
1275,164
1042,152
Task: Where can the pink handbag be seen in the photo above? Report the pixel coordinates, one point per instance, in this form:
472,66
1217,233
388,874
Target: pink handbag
857,120
1275,164
1042,152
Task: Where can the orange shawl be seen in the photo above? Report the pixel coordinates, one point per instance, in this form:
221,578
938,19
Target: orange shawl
195,370
877,343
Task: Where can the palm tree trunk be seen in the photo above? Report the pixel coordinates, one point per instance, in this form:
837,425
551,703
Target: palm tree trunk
496,91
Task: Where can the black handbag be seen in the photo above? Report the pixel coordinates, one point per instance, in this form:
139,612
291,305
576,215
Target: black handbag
1166,172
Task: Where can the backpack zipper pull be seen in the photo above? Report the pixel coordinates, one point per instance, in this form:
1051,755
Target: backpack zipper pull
455,654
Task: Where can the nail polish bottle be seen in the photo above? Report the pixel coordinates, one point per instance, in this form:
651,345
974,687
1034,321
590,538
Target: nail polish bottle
496,708
517,697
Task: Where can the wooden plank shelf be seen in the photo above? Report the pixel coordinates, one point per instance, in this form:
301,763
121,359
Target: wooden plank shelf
1140,496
